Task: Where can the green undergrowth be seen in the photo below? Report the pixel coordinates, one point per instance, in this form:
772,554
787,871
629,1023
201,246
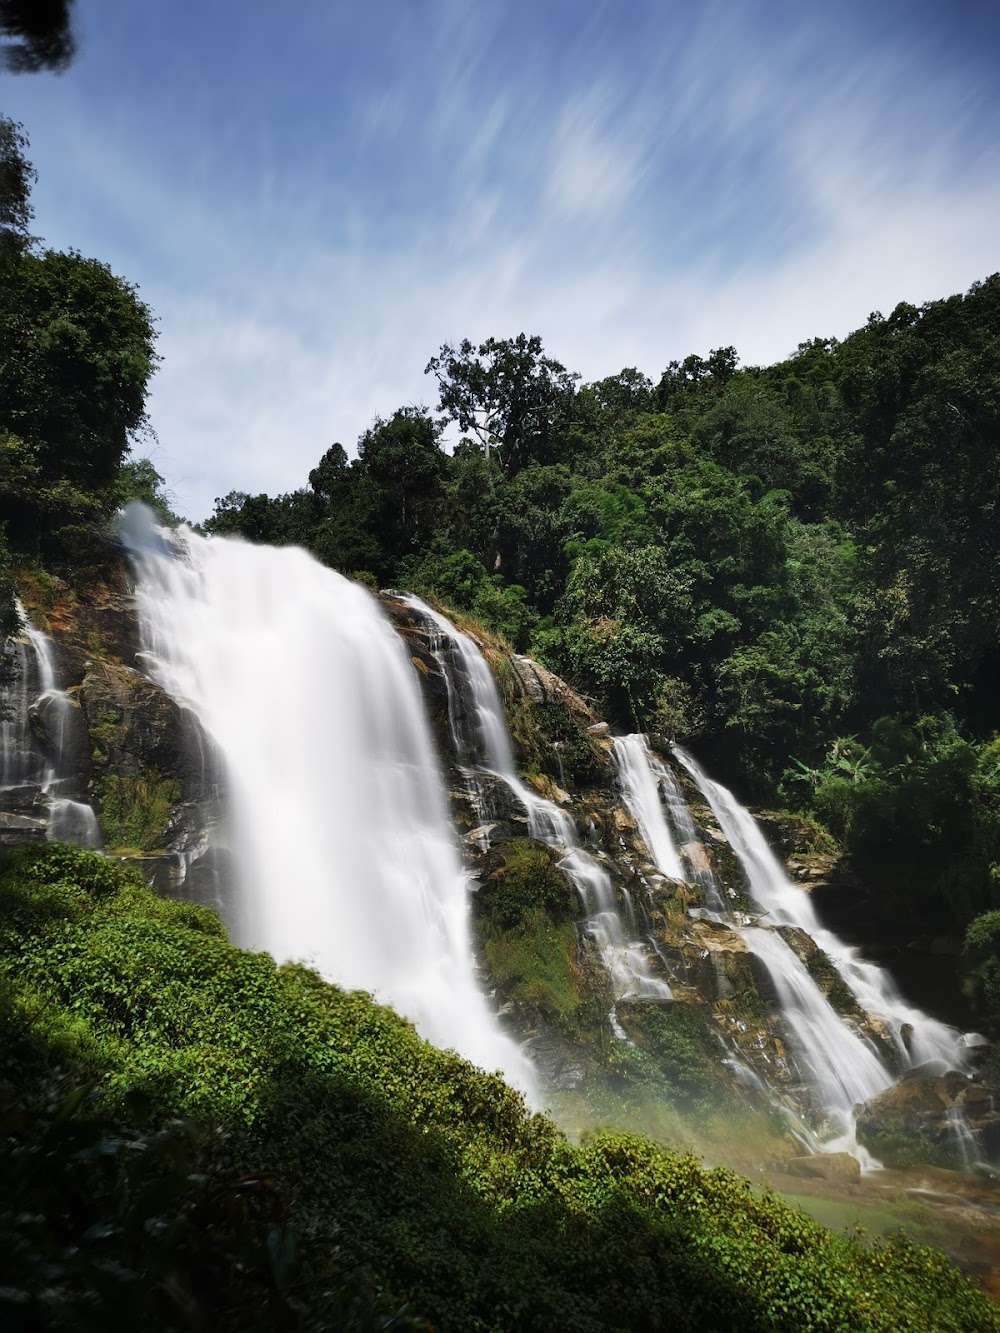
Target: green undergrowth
263,1150
134,809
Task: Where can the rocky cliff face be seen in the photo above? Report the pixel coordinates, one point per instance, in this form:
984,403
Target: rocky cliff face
128,750
716,1041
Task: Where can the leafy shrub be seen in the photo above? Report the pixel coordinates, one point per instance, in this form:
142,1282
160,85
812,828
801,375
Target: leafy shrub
134,809
377,1153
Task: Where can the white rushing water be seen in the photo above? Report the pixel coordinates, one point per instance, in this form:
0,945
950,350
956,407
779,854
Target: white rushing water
344,852
35,688
482,744
661,814
918,1037
641,791
20,763
69,820
840,1067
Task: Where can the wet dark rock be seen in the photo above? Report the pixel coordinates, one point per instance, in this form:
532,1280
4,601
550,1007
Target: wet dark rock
924,1117
21,830
560,1062
26,800
133,724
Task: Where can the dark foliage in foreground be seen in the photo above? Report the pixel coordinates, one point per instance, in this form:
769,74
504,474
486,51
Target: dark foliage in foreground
248,1147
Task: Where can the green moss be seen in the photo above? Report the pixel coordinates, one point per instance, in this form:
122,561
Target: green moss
521,877
748,1004
38,593
897,1142
550,739
536,964
134,809
683,1052
824,972
104,730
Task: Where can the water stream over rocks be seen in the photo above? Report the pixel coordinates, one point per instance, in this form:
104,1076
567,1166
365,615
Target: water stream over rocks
482,743
40,732
842,1064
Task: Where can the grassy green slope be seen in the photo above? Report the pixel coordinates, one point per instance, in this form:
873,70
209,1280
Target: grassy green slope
342,1166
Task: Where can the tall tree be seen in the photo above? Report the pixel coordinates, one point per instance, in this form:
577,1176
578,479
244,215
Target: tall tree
508,394
37,35
17,176
399,483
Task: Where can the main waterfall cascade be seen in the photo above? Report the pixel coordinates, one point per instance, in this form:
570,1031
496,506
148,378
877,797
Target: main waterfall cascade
483,747
344,852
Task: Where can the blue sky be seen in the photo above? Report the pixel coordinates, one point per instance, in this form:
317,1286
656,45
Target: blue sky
313,195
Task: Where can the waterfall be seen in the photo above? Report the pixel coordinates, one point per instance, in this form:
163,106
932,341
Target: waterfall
641,790
966,1144
343,851
649,790
839,1066
35,692
482,744
918,1038
20,762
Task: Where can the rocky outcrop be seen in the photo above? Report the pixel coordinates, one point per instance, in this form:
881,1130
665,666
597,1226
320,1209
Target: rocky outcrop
541,686
20,828
124,746
839,1168
932,1115
133,725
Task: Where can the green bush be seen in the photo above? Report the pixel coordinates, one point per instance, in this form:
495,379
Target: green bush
335,1142
134,809
519,877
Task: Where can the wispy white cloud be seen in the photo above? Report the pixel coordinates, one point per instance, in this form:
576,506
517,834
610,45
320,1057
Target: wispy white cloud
711,183
594,167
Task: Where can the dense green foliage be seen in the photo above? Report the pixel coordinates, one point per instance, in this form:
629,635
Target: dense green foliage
252,1148
76,354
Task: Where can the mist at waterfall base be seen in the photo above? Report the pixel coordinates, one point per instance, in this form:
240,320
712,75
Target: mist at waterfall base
344,853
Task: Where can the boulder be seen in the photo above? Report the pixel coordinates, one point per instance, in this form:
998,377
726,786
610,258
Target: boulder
21,830
839,1168
932,1117
542,686
133,724
697,857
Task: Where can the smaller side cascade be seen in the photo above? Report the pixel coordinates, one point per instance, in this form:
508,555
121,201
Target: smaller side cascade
482,744
41,735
